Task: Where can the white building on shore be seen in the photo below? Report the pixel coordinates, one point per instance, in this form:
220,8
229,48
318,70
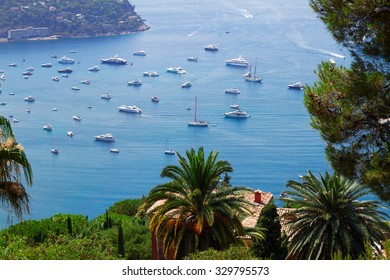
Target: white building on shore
29,32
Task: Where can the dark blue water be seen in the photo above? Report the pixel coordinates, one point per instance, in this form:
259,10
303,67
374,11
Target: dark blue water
274,145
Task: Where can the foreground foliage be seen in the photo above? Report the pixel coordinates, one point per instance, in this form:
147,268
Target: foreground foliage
194,212
330,220
51,239
351,106
236,252
13,163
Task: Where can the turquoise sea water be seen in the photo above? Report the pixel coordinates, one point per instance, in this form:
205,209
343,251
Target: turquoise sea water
274,145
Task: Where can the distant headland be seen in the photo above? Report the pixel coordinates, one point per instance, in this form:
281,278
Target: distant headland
53,19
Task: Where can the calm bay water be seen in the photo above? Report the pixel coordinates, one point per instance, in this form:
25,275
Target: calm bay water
274,145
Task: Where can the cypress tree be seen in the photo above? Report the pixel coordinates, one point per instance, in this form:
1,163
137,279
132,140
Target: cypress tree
121,242
69,222
272,246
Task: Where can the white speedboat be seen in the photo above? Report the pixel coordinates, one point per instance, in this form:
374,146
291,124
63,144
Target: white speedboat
176,70
114,150
75,88
66,60
12,65
129,109
235,106
186,85
77,118
94,68
30,68
55,151
169,152
232,90
237,114
151,74
46,65
239,62
29,99
105,138
116,60
297,85
85,82
211,48
48,127
66,70
54,109
139,53
70,133
135,83
106,96
3,77
154,99
55,78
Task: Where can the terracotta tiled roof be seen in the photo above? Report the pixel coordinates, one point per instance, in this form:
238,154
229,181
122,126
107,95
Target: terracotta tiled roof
250,222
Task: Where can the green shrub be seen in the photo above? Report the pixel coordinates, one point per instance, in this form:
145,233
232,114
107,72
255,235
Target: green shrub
236,252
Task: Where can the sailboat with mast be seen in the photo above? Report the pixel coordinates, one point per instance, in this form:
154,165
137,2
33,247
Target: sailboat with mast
251,77
197,122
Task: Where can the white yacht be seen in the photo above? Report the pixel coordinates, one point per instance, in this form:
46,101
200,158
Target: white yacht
3,77
252,77
66,60
169,152
176,70
12,65
75,88
135,83
151,74
105,96
116,60
297,85
212,48
237,114
154,99
105,138
94,68
30,98
232,90
139,53
235,106
114,150
186,85
70,133
239,62
77,118
30,68
48,127
55,78
85,82
129,109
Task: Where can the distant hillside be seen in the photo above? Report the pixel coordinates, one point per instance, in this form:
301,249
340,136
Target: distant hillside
71,18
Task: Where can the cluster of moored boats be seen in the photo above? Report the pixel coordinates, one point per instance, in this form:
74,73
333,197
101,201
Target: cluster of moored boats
237,112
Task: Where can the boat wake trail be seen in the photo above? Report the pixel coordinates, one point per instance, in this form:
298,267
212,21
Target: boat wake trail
300,42
245,13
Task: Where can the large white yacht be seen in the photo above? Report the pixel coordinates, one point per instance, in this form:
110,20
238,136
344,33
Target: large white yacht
135,83
114,60
211,48
66,60
237,114
239,61
130,109
105,138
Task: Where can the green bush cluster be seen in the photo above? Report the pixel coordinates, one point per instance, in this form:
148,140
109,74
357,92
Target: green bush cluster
73,237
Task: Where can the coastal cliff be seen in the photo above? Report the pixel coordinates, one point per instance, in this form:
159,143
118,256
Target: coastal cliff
69,19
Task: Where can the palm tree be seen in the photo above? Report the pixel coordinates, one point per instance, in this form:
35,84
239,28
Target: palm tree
194,211
328,219
13,160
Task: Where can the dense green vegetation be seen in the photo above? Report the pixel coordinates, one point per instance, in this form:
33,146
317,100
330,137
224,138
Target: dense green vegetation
351,106
126,237
71,18
235,252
